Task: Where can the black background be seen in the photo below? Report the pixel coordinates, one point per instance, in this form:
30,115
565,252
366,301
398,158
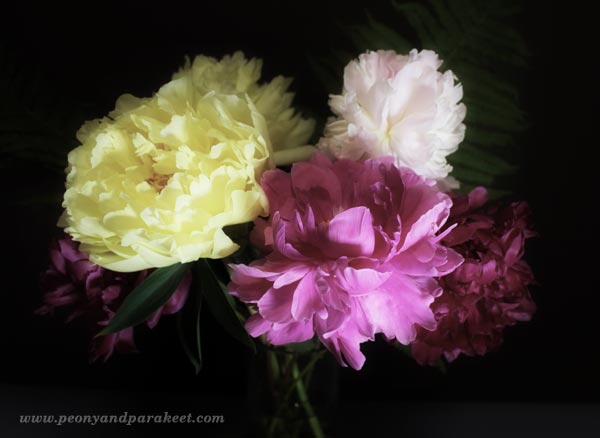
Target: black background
94,52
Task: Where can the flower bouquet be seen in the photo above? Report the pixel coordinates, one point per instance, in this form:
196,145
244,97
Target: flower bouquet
215,192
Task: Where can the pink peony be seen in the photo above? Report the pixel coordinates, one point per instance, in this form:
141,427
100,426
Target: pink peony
93,294
352,250
489,291
399,105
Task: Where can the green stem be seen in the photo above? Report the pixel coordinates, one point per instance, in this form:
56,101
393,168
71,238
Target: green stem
283,403
313,421
274,373
273,365
306,372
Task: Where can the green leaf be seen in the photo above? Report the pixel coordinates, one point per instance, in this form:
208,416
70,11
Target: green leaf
388,37
423,22
188,326
148,297
219,304
220,272
473,176
238,232
377,36
477,158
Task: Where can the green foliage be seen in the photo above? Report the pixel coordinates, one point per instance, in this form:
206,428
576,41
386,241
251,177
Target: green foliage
208,287
478,42
148,297
188,326
221,303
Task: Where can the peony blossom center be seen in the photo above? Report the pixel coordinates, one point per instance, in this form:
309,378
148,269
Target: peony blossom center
158,182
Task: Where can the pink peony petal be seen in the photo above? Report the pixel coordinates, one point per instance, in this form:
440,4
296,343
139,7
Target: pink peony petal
403,302
276,304
362,281
350,234
282,334
316,186
256,325
307,299
278,188
291,275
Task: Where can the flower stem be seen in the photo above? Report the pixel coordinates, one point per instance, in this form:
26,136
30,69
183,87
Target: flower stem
273,374
306,372
313,421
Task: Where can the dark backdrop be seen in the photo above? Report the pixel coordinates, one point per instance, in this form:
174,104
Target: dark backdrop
94,52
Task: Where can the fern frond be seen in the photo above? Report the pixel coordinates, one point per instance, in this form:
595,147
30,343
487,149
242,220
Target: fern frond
478,42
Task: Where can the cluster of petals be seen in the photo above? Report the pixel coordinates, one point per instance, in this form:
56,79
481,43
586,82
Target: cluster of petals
490,290
361,240
156,182
399,105
351,249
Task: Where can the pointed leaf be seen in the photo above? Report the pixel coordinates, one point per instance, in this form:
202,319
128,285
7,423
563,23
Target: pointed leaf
477,158
219,304
188,327
145,299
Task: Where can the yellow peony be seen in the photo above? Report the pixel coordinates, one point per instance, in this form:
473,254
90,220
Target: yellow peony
155,183
235,74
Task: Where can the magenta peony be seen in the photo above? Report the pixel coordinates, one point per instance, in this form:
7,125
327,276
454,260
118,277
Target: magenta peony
490,290
93,294
351,250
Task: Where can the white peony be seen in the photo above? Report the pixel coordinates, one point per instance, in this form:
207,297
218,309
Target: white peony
398,105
